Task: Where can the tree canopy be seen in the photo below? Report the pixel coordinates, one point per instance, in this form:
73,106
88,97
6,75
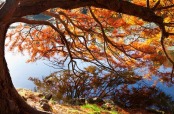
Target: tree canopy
120,35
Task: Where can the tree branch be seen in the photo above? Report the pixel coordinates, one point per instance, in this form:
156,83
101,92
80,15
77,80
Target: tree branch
147,3
165,52
5,13
166,7
172,74
49,24
30,7
156,5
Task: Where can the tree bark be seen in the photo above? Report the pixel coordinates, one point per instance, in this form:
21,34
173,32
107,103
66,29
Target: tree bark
10,101
120,6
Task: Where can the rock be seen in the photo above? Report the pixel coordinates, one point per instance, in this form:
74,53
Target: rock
46,107
44,104
25,99
78,101
31,96
43,101
109,101
96,100
108,106
40,95
48,96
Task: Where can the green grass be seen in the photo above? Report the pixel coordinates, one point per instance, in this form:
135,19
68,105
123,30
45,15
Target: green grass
113,112
94,109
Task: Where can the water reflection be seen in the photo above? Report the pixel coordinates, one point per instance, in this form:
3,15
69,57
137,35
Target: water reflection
20,70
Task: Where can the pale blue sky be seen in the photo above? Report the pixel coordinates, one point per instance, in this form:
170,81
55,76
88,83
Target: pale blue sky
20,70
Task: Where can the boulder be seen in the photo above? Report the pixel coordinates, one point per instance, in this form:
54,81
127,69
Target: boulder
43,101
95,100
48,96
109,101
46,107
78,101
40,95
109,105
44,104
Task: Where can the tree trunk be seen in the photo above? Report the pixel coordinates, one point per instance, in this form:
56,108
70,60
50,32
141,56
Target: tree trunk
10,101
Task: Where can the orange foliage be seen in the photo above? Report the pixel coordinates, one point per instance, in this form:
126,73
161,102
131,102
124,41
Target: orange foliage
99,36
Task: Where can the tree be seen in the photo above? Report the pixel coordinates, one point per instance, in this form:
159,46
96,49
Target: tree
159,12
93,82
150,96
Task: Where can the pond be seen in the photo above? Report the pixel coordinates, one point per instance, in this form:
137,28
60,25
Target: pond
20,70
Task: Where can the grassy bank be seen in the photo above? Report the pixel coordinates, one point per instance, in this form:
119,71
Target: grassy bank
37,101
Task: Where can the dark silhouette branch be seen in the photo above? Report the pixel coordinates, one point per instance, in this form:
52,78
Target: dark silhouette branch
119,6
147,4
156,5
164,8
165,52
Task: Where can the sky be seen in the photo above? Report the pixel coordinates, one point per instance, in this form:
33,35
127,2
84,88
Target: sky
20,71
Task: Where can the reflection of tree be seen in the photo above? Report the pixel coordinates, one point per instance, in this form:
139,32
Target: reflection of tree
143,97
92,82
104,38
100,34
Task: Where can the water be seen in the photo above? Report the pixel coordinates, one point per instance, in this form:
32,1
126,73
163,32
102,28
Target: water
20,71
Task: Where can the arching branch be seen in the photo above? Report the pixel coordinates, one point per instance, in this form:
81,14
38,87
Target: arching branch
38,6
5,13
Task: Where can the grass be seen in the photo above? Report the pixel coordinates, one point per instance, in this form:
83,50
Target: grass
94,109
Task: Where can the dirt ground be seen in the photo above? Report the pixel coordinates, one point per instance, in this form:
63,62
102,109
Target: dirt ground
35,100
